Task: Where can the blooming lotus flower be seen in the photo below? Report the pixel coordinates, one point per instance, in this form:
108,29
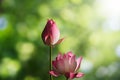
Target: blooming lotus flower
66,65
51,34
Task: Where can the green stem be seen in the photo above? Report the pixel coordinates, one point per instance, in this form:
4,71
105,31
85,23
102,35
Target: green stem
66,78
50,59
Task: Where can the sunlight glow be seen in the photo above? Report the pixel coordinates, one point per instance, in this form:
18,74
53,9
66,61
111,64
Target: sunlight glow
110,9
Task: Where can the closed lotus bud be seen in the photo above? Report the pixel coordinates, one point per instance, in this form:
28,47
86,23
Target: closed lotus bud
51,34
67,65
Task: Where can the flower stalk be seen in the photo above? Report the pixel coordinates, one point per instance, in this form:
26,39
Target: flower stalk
50,59
66,79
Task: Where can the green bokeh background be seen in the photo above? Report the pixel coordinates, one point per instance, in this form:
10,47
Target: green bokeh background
23,56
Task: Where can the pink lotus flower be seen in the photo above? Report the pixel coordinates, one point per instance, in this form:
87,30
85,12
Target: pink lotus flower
51,34
66,65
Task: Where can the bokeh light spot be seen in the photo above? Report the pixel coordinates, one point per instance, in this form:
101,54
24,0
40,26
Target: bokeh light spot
25,50
9,67
3,23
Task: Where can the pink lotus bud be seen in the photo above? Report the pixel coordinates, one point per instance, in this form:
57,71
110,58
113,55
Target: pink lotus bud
66,65
51,34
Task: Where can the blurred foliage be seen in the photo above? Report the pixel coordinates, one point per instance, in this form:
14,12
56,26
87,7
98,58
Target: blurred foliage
86,29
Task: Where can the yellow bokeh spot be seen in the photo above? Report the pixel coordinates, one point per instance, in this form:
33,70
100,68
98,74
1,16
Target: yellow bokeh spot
25,50
9,67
